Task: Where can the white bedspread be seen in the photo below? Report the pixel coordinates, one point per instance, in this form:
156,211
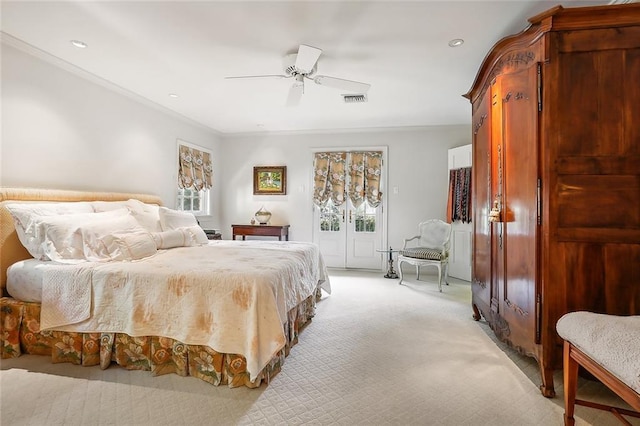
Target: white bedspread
232,296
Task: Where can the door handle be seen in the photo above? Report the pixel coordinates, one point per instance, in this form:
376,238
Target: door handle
350,211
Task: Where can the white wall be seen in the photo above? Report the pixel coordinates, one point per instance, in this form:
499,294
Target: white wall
417,166
62,131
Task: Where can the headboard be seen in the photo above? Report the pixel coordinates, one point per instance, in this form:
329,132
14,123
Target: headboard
11,250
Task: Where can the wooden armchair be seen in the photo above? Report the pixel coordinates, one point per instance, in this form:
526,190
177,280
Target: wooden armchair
429,248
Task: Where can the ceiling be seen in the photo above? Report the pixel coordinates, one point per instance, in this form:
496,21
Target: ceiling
150,49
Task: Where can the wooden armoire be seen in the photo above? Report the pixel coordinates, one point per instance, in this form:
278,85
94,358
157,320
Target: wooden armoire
556,176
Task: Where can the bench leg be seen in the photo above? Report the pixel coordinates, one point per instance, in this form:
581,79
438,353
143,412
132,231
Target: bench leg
570,385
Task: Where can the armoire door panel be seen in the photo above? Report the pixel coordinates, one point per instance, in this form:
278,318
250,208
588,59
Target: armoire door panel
481,193
519,209
612,133
577,209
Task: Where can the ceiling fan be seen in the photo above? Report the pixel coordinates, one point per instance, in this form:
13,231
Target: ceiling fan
302,66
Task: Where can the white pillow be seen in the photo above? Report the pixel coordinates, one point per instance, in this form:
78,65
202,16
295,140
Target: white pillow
63,241
27,215
119,246
173,238
181,237
198,235
174,219
147,215
106,206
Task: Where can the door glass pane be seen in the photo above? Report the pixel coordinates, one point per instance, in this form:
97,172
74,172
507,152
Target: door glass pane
330,218
365,216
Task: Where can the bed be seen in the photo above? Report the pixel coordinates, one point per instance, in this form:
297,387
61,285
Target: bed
227,312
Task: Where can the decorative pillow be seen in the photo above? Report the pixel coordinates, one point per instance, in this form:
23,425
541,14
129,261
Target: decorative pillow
198,235
119,246
26,217
423,253
181,237
63,239
173,238
174,219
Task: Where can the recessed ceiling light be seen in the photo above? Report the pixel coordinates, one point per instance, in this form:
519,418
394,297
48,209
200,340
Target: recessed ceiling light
456,42
79,44
173,95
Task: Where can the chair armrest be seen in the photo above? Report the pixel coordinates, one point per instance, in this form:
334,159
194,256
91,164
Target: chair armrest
406,240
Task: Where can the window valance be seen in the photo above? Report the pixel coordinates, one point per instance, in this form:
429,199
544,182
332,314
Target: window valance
194,168
329,178
330,170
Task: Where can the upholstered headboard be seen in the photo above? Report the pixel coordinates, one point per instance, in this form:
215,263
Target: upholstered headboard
11,250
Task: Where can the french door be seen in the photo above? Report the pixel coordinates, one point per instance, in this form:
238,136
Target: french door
348,212
348,237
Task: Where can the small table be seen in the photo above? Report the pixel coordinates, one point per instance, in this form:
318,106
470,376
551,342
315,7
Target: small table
391,273
279,231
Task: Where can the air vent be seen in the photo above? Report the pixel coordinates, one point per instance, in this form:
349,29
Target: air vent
353,99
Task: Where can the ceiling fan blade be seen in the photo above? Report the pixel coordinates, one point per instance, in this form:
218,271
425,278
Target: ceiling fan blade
259,76
340,83
295,92
307,58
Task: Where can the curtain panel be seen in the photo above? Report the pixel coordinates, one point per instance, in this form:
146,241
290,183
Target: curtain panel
365,170
330,170
329,178
459,199
194,168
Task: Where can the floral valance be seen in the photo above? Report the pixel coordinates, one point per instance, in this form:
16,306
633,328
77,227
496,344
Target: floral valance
194,168
329,177
330,172
365,170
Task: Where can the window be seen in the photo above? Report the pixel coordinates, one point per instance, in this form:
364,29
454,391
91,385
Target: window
330,217
196,202
194,178
365,218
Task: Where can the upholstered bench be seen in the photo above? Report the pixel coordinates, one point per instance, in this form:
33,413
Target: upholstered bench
608,347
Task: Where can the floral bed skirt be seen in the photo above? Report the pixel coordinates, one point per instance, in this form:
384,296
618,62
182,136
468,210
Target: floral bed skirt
19,333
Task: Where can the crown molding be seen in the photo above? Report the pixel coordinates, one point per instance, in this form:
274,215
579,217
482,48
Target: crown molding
341,131
86,75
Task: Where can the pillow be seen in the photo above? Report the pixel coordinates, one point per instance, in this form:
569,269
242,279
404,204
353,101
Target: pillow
147,215
63,241
27,215
106,206
198,235
119,246
174,219
181,237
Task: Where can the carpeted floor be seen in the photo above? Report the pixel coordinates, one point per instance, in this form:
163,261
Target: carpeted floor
375,354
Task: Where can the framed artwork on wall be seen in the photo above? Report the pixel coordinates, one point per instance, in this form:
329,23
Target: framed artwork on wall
270,180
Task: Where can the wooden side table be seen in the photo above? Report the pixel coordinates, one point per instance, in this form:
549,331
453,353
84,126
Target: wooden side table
279,231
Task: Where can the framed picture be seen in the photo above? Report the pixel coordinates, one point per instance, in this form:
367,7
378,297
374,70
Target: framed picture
270,180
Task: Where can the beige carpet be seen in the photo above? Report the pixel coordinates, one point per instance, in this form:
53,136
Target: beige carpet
375,354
